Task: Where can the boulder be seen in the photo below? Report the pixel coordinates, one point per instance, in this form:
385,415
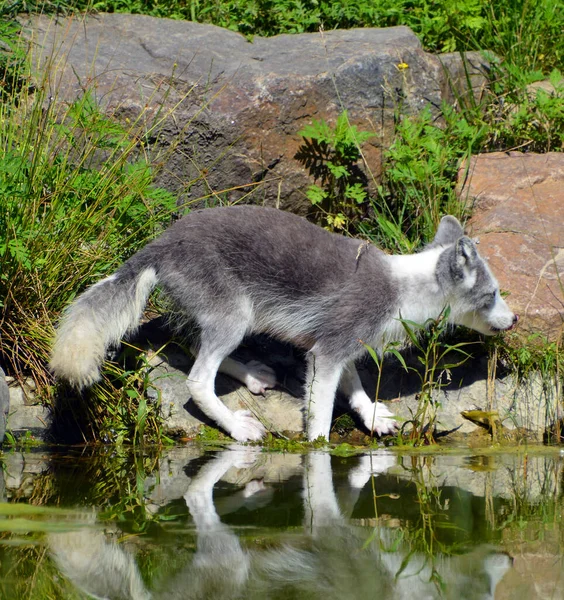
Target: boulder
517,203
238,105
26,414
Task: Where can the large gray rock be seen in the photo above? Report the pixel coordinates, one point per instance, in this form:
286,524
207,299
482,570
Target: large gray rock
238,106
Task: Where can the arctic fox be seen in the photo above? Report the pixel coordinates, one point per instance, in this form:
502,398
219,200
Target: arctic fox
238,270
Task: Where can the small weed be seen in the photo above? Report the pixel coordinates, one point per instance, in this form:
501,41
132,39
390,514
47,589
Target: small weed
276,444
9,439
345,450
130,401
209,434
22,443
543,361
433,353
343,424
295,445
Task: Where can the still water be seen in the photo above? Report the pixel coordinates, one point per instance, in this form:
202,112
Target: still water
236,522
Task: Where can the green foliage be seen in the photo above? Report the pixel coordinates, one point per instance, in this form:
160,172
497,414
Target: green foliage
345,450
536,356
296,445
22,443
76,199
211,435
423,162
419,178
331,156
533,115
12,59
125,407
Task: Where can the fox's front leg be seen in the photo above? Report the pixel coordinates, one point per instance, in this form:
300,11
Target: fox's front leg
375,415
322,380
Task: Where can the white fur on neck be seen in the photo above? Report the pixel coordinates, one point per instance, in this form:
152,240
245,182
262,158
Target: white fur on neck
420,295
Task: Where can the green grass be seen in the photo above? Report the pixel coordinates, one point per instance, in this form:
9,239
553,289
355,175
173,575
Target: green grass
76,203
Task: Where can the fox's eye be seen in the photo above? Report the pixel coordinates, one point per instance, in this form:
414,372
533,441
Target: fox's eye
488,299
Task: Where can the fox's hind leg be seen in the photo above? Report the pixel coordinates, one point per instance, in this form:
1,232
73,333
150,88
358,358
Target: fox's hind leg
254,374
218,339
375,415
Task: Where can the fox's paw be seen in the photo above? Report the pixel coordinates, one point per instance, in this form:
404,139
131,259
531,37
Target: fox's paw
245,428
368,465
241,457
378,419
259,377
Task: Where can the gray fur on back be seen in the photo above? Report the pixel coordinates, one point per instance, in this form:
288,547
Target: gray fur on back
304,284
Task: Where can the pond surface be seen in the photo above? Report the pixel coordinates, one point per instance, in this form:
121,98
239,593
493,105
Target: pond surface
237,522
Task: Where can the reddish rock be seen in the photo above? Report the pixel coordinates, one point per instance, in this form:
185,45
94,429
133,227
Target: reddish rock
518,216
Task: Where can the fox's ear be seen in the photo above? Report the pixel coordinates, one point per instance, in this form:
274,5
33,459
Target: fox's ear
465,252
449,231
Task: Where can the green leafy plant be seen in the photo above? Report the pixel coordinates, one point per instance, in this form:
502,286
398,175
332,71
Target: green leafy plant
390,348
435,356
418,187
331,154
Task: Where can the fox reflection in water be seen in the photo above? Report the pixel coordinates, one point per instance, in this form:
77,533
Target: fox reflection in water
332,560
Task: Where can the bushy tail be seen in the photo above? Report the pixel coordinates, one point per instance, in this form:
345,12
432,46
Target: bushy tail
96,320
